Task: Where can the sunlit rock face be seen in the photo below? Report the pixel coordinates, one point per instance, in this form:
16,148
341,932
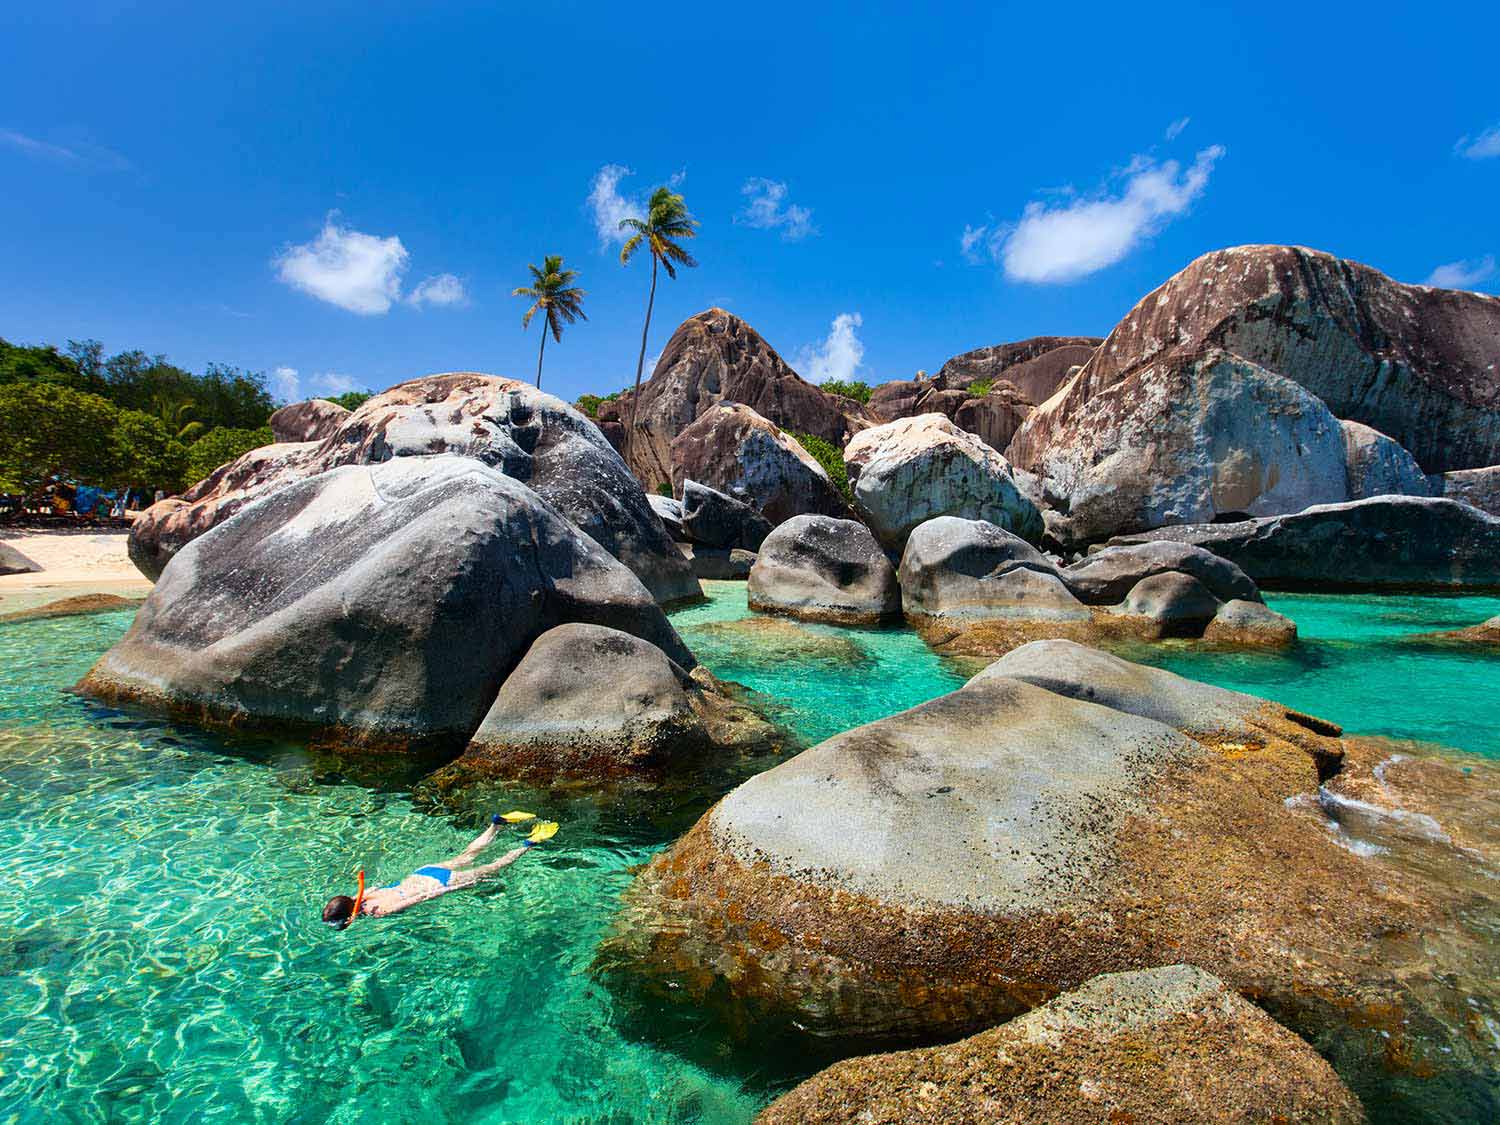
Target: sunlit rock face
1413,362
508,425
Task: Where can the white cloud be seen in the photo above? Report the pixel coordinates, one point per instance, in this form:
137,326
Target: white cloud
767,208
609,206
33,147
441,289
355,271
1175,129
332,383
1069,241
977,244
82,155
285,386
1463,275
1485,145
839,354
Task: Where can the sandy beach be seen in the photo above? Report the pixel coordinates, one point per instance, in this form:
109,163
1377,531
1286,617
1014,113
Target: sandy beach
74,563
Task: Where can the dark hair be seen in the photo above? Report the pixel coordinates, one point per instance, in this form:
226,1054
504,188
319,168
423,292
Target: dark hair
338,911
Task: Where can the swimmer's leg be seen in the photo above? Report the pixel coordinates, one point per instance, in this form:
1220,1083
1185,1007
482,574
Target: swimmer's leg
471,853
475,874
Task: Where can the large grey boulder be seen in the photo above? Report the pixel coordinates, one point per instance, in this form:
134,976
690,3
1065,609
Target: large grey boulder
13,561
733,449
1412,361
311,420
669,511
594,703
959,569
1190,438
1161,1044
1108,575
1479,487
711,518
378,605
1378,466
907,472
510,426
1382,542
823,569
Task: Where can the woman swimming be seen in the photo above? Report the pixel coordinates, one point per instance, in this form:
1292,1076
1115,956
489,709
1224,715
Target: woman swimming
434,879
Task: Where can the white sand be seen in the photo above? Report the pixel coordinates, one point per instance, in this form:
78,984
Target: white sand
86,561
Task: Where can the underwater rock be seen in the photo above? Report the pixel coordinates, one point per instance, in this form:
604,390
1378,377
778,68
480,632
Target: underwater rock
771,641
1484,635
509,426
712,519
74,606
1188,438
1378,466
716,357
592,703
1067,814
907,472
311,420
733,449
823,569
1161,1044
1411,361
1416,542
374,605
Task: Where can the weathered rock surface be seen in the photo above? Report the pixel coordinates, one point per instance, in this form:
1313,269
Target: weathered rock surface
1108,575
511,426
1191,438
1378,466
823,569
1173,605
1167,1044
73,606
1413,362
13,561
733,449
719,562
669,511
965,861
1479,487
773,640
909,471
960,569
712,357
1036,367
712,519
311,420
379,605
590,702
1250,624
1383,542
1484,635
994,417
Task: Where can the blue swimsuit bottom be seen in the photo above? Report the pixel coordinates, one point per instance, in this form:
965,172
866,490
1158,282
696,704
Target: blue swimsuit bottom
441,874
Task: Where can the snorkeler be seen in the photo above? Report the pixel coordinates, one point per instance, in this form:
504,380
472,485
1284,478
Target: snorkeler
435,879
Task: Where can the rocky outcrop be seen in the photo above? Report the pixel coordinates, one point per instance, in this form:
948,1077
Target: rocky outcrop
593,703
719,562
1377,466
1411,361
1161,1044
714,357
1067,814
13,561
712,519
823,569
733,449
1190,438
1380,543
1479,487
669,511
963,570
375,605
530,436
898,399
311,420
1108,575
909,471
1036,367
994,417
1484,635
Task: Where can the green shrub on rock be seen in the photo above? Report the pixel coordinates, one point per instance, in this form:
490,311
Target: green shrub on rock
831,457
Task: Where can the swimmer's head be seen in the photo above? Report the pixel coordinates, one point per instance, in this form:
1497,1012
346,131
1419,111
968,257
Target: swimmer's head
338,911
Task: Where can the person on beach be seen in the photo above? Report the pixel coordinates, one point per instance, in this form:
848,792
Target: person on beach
435,879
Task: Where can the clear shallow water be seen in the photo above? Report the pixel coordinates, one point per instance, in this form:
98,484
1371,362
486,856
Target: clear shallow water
161,955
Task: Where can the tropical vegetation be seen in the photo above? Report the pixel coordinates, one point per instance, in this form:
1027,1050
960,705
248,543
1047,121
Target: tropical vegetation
666,224
554,295
858,391
831,457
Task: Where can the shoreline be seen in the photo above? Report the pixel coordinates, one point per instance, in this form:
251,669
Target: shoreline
75,563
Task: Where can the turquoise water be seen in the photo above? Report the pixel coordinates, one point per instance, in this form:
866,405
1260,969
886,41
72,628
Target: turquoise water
161,955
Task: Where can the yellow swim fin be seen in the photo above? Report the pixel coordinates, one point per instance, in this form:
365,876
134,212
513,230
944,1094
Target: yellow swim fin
517,817
543,831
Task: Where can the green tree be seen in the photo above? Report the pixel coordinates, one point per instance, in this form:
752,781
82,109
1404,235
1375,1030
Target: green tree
667,222
858,391
49,430
554,295
219,447
349,400
177,415
831,457
146,453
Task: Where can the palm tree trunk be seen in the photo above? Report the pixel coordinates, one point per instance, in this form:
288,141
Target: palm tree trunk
540,350
635,399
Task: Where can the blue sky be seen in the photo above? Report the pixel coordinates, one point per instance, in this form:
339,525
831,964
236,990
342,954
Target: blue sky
349,191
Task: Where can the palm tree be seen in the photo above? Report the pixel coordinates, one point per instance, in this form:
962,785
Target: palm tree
666,220
177,415
553,292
